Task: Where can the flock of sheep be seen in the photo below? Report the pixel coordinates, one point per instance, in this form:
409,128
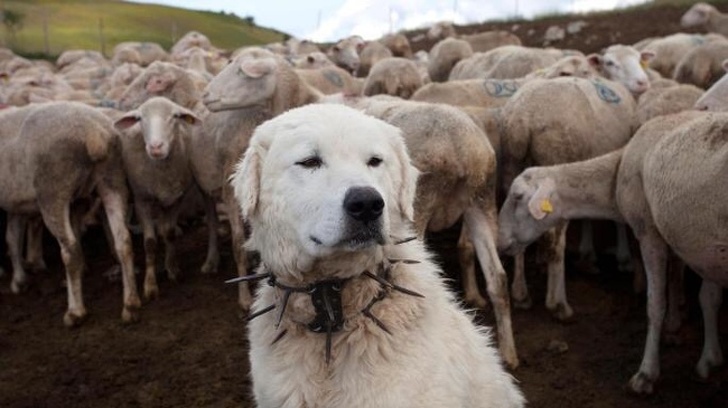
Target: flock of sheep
544,135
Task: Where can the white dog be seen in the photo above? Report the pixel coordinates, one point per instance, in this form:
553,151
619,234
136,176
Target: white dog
359,315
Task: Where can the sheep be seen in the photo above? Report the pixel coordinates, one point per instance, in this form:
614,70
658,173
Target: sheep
149,52
669,50
43,141
331,79
505,62
393,76
156,161
488,40
556,121
495,92
702,65
371,53
651,185
624,64
441,30
705,15
314,60
666,100
303,47
457,165
69,57
162,79
715,99
254,87
398,44
189,40
126,56
444,55
345,53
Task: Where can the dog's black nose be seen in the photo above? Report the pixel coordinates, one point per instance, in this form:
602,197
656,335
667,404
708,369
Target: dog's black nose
363,204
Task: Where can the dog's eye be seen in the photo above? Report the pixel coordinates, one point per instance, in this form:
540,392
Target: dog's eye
310,163
374,162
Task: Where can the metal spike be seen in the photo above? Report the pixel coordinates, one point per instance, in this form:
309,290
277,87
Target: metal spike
379,279
279,337
404,261
368,313
329,308
404,240
286,295
260,312
247,278
406,291
328,343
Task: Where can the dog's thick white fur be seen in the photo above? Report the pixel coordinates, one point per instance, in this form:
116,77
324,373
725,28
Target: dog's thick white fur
291,186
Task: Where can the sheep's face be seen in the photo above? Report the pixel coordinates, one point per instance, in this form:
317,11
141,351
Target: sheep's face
346,53
625,65
161,123
698,15
528,212
716,97
246,82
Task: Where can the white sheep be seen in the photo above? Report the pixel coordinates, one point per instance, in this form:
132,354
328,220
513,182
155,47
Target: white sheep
702,65
345,53
669,50
371,53
398,44
148,51
489,40
331,79
716,97
444,55
507,62
651,185
393,76
441,30
556,121
626,65
313,60
660,101
190,40
705,15
39,143
162,79
156,161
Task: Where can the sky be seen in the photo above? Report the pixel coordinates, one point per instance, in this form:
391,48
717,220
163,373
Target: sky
330,20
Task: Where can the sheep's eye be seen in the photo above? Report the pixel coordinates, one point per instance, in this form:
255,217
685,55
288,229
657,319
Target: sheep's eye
313,162
374,162
610,63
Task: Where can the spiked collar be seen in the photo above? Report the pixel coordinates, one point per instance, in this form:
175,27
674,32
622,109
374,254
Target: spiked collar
326,298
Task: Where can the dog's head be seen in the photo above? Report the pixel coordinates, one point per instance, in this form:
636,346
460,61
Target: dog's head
321,181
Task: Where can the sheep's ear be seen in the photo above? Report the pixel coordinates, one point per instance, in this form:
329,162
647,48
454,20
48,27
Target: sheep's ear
187,117
725,64
246,181
310,59
256,68
409,175
127,121
540,204
647,56
160,83
595,60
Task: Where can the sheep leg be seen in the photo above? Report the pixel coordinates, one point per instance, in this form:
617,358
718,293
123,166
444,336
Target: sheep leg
167,229
675,293
115,209
14,237
34,245
144,214
624,257
639,283
57,218
466,256
213,255
556,300
483,232
711,297
519,289
654,254
245,299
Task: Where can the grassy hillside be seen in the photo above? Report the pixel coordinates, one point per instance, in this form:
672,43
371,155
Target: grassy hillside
76,24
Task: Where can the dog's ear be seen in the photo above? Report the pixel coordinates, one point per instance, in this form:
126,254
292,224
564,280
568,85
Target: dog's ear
409,173
246,181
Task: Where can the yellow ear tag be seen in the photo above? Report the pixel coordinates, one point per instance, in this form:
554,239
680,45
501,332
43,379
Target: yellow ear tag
644,64
546,206
189,119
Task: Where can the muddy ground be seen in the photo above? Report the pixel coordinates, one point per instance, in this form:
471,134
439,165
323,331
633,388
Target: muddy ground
190,350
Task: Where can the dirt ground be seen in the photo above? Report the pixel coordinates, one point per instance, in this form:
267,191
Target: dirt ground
190,347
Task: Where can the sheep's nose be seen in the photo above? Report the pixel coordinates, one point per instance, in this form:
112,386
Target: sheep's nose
363,204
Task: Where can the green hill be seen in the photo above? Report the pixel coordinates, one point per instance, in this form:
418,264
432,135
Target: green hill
81,23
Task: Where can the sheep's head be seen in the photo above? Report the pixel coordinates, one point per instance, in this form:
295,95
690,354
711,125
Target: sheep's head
698,15
345,53
574,66
530,210
249,80
716,97
626,65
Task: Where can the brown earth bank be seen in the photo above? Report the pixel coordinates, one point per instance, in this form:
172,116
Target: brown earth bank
190,350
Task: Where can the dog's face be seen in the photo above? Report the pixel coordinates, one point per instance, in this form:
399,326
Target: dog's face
324,179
